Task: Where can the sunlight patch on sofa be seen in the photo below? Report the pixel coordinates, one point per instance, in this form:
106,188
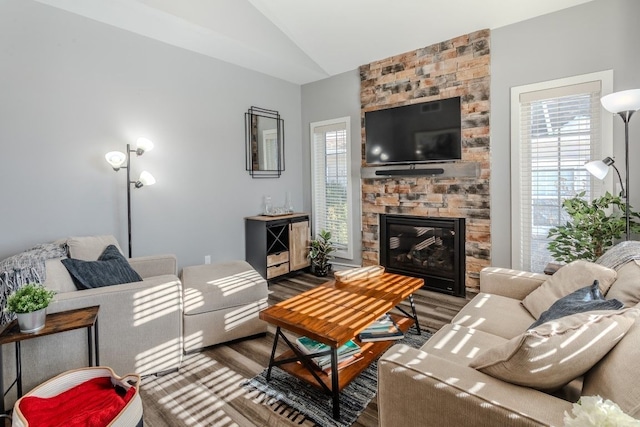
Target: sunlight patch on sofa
241,315
482,301
194,340
474,325
237,282
193,298
592,342
155,302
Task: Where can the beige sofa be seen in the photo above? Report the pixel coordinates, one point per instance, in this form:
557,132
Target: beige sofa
435,385
139,324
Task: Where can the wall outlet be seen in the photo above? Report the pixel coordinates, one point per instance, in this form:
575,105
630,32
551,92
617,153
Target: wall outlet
207,259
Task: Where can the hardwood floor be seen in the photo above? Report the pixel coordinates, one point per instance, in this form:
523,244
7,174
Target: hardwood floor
207,390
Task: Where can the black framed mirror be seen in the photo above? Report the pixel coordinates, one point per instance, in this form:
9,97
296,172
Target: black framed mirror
264,135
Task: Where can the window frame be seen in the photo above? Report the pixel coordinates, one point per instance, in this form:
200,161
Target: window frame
606,145
346,121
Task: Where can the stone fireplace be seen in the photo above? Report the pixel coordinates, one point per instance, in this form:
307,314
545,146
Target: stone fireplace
456,67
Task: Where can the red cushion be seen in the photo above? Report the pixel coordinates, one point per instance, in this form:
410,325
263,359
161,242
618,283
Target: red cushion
94,403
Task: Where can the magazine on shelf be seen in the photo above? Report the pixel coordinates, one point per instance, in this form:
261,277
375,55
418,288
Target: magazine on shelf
343,363
310,346
383,329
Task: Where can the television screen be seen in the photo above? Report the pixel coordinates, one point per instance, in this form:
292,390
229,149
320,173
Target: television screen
425,132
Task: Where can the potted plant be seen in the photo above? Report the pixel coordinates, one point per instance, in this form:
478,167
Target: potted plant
320,253
593,228
30,303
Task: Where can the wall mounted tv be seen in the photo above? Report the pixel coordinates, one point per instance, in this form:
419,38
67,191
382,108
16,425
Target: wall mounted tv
417,133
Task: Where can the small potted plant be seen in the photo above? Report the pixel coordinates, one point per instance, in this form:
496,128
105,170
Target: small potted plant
30,303
320,253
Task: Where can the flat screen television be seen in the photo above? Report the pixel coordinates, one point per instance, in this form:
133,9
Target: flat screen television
417,133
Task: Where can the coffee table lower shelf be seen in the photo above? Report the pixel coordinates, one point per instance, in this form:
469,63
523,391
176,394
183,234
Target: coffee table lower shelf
370,352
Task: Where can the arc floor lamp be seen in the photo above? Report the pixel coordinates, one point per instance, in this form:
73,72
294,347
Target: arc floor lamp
118,160
623,103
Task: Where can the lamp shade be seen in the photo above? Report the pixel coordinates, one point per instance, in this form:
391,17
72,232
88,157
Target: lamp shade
597,168
618,102
146,178
144,144
115,158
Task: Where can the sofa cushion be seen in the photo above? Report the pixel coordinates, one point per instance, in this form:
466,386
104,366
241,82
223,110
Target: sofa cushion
616,377
460,344
58,277
495,314
89,248
584,299
111,268
626,288
569,278
556,352
221,285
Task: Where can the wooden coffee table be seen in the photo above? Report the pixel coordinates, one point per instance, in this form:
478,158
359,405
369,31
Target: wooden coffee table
333,313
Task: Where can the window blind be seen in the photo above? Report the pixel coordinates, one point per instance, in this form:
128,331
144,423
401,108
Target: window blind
331,183
559,132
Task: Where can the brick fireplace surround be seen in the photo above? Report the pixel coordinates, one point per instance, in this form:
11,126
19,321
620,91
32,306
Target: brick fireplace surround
456,67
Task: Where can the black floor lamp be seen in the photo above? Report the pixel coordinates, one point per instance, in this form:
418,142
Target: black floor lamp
623,103
118,159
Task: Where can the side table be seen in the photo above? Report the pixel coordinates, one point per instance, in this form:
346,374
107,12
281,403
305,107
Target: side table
55,323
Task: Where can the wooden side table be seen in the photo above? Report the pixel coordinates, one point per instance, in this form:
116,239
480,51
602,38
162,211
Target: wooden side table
55,323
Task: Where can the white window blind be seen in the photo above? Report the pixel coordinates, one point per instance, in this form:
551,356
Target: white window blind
331,182
558,131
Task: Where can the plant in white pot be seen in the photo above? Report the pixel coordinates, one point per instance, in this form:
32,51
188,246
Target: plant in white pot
30,303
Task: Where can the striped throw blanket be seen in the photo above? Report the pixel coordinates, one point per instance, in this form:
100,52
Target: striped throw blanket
620,254
25,267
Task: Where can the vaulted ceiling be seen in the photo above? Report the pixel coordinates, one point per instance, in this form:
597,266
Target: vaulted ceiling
306,40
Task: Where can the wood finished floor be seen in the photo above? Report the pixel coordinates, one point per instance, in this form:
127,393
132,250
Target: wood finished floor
207,390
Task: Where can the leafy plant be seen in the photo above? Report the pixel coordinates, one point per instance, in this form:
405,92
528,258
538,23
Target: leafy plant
320,253
31,297
593,228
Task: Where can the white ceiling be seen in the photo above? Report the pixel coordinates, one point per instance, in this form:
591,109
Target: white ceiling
303,40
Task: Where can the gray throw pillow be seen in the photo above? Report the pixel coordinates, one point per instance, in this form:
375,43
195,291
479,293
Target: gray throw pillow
584,299
112,268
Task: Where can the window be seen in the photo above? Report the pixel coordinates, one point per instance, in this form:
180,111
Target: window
331,182
556,127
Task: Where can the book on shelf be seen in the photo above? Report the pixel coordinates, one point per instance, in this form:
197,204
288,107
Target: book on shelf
343,363
383,329
310,346
372,337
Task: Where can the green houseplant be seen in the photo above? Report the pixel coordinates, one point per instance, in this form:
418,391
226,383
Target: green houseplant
593,228
30,303
320,253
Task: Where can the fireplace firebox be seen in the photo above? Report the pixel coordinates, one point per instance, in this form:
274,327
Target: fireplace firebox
425,247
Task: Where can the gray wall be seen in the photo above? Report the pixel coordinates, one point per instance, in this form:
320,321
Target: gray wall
72,89
596,36
332,98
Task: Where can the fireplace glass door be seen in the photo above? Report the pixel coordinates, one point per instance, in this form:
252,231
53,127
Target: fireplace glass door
430,248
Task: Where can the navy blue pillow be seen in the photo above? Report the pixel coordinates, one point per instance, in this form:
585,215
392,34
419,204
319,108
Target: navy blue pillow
584,299
111,268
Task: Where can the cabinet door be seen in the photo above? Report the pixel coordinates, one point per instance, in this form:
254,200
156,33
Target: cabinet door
299,237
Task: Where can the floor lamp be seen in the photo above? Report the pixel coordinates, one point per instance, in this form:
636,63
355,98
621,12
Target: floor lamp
624,103
118,159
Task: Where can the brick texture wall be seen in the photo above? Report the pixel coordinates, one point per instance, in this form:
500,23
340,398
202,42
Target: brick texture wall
456,67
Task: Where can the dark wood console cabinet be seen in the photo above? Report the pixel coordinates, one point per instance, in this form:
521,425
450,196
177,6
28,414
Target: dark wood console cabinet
276,245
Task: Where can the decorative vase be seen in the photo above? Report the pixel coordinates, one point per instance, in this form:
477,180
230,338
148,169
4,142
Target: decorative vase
32,322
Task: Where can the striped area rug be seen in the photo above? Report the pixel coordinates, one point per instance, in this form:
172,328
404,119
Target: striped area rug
301,402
